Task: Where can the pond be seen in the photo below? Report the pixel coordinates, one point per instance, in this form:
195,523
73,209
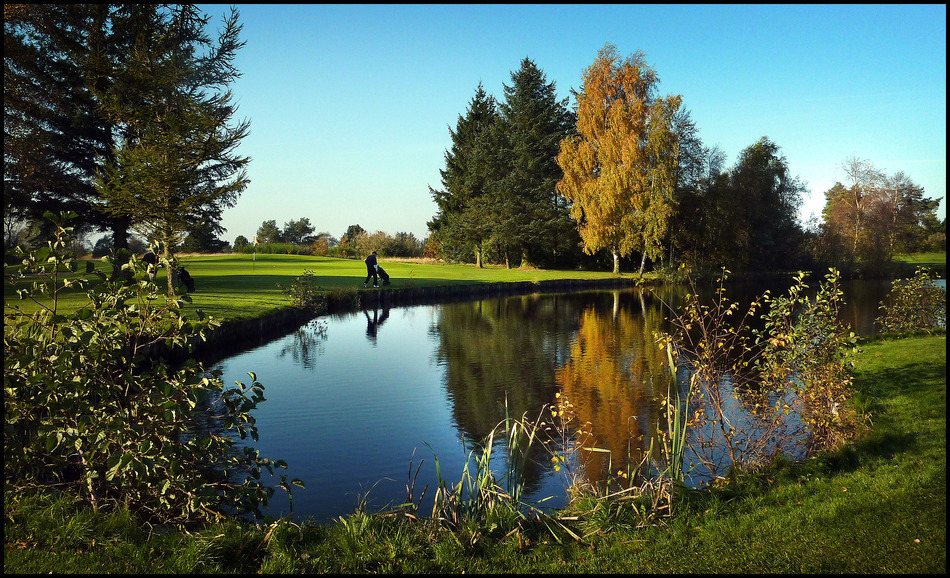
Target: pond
355,402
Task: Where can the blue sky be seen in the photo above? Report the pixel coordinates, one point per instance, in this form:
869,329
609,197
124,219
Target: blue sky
350,105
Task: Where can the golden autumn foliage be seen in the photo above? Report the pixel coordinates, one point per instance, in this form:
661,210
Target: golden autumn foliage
620,171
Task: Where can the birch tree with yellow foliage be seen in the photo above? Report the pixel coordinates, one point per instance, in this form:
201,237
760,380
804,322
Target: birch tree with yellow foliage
620,170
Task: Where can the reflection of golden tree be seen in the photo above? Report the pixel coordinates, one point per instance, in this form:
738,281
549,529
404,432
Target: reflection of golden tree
615,367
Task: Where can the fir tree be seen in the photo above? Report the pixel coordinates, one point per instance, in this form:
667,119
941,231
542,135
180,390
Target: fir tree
175,166
529,215
54,134
461,222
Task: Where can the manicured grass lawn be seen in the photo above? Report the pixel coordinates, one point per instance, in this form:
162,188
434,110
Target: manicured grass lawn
924,258
878,506
242,286
937,262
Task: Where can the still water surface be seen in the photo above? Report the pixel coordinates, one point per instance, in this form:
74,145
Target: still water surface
356,401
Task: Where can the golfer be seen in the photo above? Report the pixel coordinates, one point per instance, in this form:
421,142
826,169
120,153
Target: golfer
371,270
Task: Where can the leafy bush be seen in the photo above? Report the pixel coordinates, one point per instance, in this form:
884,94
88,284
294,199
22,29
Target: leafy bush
726,418
809,348
92,406
305,293
915,304
753,394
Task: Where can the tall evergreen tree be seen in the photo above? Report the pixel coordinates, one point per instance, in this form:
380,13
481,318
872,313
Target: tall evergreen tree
529,216
352,232
269,232
175,166
54,133
68,72
766,198
295,231
461,223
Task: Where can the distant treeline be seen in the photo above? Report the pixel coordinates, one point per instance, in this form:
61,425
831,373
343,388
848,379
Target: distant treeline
297,238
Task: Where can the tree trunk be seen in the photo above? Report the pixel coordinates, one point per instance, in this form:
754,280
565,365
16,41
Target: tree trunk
172,274
525,261
120,233
120,240
478,256
643,261
616,262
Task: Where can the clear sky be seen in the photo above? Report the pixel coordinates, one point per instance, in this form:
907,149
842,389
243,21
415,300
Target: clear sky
350,105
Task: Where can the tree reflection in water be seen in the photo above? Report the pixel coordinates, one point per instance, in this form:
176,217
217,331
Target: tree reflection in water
307,343
613,378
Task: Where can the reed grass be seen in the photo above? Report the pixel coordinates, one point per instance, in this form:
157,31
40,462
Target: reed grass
675,408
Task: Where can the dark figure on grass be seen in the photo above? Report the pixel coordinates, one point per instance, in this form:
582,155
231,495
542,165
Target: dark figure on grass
371,270
185,277
152,260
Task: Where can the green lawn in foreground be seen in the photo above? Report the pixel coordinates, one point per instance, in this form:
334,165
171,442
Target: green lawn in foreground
879,506
241,286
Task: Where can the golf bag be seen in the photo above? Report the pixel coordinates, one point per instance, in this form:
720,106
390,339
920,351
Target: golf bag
185,278
383,275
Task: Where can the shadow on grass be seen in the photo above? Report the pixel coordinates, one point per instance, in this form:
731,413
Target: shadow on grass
901,379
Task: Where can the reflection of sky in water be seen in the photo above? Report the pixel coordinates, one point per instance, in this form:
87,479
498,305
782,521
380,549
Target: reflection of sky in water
336,424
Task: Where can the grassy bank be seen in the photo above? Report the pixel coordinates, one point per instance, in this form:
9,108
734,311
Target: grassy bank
238,286
878,506
907,264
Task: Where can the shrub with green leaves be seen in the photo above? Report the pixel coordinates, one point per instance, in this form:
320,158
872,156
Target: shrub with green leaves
915,304
305,292
92,405
809,348
727,417
755,394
